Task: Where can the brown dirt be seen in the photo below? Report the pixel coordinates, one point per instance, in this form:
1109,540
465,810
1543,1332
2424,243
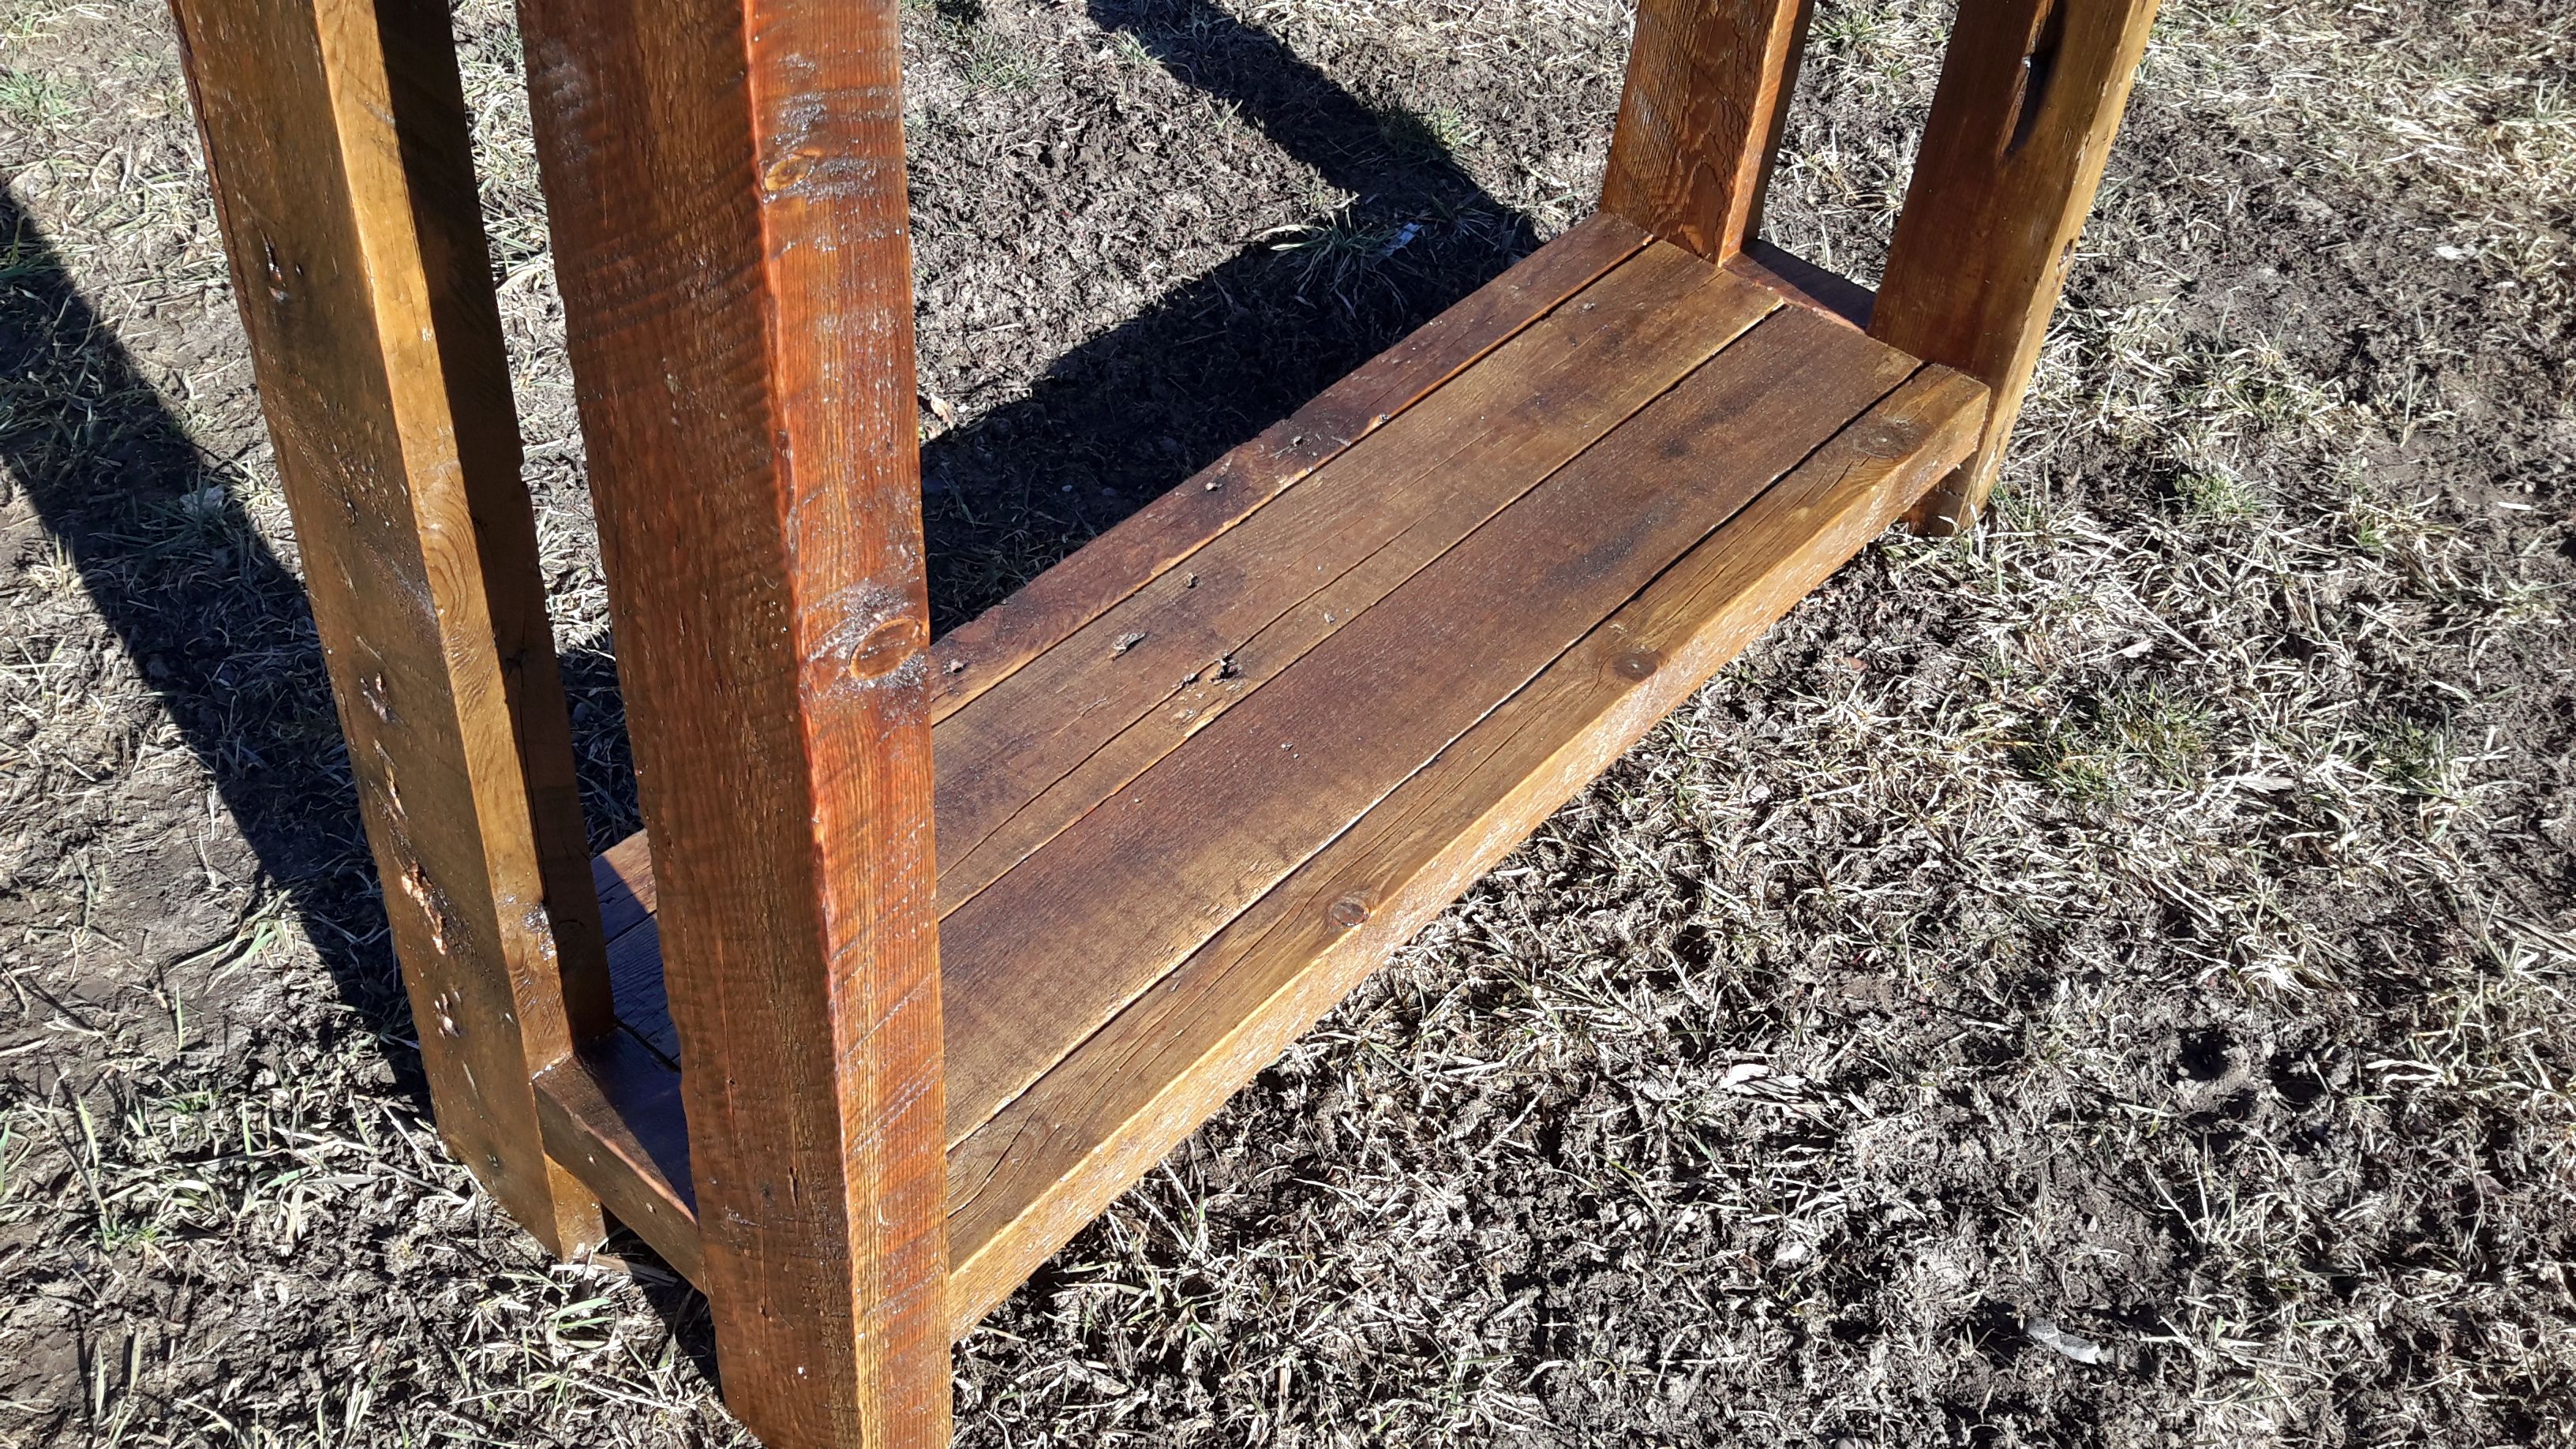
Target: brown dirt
2148,925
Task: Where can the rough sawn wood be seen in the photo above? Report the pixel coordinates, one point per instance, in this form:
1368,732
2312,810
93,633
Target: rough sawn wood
929,950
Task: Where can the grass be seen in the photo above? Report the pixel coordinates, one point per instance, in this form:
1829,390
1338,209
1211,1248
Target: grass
2148,916
32,98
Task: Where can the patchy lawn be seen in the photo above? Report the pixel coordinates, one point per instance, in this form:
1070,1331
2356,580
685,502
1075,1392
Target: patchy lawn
2103,980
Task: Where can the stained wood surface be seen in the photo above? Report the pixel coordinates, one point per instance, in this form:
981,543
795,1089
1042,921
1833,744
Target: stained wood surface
1113,568
985,651
612,1115
622,876
1043,748
1026,1181
725,183
1063,941
1056,946
1145,960
335,134
2021,125
1699,119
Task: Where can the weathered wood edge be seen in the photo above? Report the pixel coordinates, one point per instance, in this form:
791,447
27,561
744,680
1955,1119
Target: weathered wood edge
612,1116
1803,283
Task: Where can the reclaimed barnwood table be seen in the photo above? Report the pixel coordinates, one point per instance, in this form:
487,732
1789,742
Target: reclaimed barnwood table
1188,787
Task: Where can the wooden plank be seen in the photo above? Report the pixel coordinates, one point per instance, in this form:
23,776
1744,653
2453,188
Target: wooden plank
1112,567
1708,90
2021,125
622,876
1047,745
635,973
335,133
1060,944
725,183
983,652
1801,283
612,1115
1025,1182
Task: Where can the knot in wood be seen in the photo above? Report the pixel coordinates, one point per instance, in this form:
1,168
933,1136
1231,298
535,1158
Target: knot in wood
1639,664
1349,911
877,632
785,172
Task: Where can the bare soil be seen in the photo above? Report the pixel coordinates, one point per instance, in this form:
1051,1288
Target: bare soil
2105,980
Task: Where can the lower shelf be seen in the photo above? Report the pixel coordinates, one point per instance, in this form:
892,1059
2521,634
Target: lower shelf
1198,780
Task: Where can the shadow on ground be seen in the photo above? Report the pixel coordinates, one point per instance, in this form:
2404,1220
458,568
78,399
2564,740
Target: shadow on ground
217,623
1123,417
214,621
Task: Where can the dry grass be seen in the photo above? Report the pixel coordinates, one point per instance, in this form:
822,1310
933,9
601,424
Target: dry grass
2102,980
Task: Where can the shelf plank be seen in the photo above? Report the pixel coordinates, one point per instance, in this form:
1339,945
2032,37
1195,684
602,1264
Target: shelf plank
1044,747
1476,624
611,1114
1023,1183
1065,939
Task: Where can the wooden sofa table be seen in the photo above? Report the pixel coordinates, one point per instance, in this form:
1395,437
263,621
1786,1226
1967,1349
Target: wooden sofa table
929,949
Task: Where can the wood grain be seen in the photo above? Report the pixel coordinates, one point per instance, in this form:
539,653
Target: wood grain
612,1115
1023,1183
335,134
2030,98
725,183
983,652
1062,942
1043,748
1114,566
1708,89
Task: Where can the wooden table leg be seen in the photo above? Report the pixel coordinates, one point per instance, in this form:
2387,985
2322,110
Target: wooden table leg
336,135
1699,120
2030,97
726,189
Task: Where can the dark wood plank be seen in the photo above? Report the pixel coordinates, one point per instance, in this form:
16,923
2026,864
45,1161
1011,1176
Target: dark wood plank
335,133
1044,747
1025,1182
622,875
1112,567
981,653
1061,943
635,974
2030,98
725,183
1699,120
1801,283
612,1115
